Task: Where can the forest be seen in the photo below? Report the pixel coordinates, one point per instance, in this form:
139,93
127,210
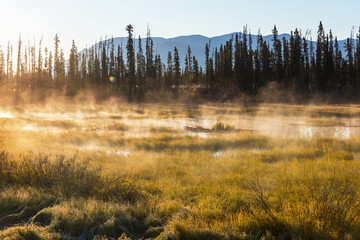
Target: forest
299,65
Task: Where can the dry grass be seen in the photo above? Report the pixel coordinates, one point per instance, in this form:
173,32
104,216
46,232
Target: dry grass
169,185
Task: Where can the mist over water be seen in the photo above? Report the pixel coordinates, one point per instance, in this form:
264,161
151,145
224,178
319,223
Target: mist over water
141,120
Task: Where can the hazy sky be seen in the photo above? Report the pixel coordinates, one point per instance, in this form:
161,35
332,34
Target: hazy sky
86,21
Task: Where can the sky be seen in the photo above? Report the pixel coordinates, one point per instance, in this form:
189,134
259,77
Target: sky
86,21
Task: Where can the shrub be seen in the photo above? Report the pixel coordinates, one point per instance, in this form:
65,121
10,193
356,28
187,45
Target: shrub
117,127
67,177
219,126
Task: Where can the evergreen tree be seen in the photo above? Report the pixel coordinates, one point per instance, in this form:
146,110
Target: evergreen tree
97,70
207,65
141,68
265,62
39,82
195,71
329,67
57,64
177,70
169,71
18,65
277,59
257,64
188,76
306,66
131,62
237,61
350,65
338,61
158,72
104,64
72,68
321,86
121,68
250,65
150,67
111,64
358,62
313,82
83,71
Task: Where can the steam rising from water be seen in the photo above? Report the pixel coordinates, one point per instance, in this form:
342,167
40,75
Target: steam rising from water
139,122
114,119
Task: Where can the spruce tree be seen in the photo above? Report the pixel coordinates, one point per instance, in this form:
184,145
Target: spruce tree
169,71
358,62
177,73
104,64
130,63
149,52
140,62
277,62
57,67
18,65
121,68
320,59
207,64
237,61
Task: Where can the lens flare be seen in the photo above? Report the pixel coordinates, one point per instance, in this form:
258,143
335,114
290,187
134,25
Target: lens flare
112,79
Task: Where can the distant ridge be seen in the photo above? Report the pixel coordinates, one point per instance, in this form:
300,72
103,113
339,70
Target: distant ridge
197,43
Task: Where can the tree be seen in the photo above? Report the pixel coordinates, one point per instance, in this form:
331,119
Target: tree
57,64
121,69
130,62
177,73
158,72
257,63
73,66
97,70
150,67
320,59
112,79
195,71
207,65
296,61
18,66
338,61
188,76
104,64
39,82
329,66
306,67
237,60
350,64
83,71
265,62
277,59
141,68
169,71
358,61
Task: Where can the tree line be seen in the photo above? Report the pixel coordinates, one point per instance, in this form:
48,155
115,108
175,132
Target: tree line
297,64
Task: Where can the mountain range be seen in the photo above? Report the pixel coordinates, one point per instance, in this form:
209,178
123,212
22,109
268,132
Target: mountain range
197,44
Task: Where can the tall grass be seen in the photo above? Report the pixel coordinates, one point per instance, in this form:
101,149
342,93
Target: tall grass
64,177
226,185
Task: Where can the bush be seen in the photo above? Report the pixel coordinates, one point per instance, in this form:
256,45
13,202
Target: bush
67,177
117,127
28,232
219,126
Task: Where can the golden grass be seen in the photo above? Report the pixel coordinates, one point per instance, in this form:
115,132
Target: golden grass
168,185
